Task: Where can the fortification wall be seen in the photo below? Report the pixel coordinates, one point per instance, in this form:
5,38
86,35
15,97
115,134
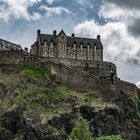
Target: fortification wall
128,87
75,78
99,68
79,74
16,57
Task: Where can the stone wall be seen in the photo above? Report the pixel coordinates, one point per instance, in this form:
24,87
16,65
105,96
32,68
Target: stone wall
78,74
80,80
128,87
16,57
101,69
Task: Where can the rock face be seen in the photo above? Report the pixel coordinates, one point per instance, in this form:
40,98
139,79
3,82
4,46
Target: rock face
34,108
123,120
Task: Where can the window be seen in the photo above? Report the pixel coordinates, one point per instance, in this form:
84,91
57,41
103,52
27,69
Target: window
91,57
81,47
74,46
95,48
88,48
98,57
63,47
45,52
45,44
78,55
51,45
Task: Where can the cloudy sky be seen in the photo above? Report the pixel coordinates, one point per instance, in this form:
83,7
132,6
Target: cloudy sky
118,22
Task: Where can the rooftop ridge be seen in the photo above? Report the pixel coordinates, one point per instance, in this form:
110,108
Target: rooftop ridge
77,37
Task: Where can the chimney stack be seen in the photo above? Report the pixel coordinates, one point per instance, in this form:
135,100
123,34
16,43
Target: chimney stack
54,33
38,32
26,50
98,37
72,35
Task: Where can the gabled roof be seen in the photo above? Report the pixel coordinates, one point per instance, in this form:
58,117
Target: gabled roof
10,43
78,40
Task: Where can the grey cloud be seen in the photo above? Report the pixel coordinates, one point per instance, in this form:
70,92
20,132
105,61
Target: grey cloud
132,4
134,28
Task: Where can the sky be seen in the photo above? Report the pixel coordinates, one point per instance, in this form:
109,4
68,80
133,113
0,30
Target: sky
117,21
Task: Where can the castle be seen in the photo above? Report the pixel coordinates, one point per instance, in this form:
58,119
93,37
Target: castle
76,61
71,47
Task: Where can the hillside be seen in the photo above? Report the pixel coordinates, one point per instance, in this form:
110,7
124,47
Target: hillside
35,105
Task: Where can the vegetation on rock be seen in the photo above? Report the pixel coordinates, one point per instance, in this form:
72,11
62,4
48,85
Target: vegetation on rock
35,105
81,131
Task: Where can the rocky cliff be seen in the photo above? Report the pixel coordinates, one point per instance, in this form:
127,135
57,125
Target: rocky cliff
35,105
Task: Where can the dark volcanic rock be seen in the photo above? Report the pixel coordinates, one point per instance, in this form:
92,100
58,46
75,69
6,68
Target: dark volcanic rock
64,121
13,120
121,120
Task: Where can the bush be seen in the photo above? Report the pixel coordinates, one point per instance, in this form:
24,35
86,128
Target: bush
81,131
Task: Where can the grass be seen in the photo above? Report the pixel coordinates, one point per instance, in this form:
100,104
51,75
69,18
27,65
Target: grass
34,71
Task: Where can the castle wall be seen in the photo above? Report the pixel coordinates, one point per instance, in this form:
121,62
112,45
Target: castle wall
101,69
78,74
128,87
16,57
78,79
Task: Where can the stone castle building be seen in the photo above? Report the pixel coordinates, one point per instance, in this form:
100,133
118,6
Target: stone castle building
70,47
6,45
76,61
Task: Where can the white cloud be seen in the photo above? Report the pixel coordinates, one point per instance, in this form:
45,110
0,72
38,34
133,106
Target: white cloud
54,10
50,1
118,44
138,84
113,11
17,9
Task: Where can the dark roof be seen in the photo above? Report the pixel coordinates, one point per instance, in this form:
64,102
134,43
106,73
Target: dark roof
78,40
13,44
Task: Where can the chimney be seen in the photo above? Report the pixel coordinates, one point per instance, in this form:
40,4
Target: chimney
26,50
38,32
54,33
72,35
98,37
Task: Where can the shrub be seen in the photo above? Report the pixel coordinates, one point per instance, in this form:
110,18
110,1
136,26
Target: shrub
81,131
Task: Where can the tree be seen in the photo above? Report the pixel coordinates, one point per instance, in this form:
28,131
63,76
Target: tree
81,131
